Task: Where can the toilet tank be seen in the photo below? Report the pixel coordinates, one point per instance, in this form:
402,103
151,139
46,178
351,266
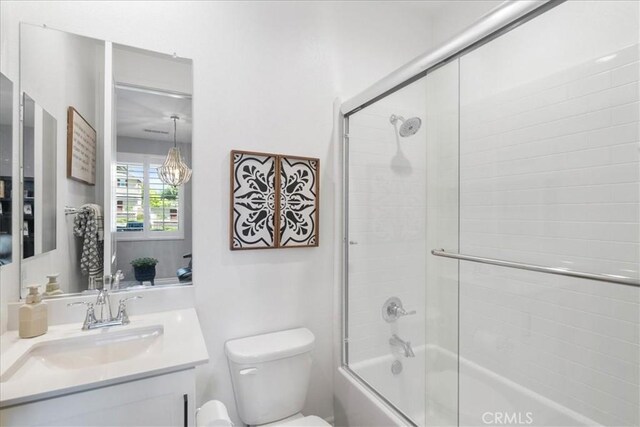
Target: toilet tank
270,374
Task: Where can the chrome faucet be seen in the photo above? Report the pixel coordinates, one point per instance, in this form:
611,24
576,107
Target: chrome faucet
396,341
90,320
102,301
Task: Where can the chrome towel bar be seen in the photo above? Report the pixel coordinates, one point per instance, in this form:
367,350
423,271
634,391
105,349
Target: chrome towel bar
611,278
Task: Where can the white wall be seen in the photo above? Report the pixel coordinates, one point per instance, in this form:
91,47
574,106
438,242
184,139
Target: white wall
265,77
550,174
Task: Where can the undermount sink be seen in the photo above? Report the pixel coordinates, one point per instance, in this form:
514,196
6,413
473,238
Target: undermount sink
71,354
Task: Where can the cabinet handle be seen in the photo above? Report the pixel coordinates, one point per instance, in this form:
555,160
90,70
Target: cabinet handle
186,410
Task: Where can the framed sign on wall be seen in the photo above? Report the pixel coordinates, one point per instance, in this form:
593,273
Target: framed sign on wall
274,201
81,148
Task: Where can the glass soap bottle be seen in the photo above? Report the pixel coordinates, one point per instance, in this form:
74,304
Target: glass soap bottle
32,315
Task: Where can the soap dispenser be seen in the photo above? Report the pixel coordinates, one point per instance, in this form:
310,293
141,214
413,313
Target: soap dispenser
32,315
53,287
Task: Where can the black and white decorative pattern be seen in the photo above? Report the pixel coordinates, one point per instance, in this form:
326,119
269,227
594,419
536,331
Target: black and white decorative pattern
254,195
88,224
298,202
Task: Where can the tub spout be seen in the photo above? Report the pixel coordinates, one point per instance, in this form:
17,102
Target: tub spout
407,350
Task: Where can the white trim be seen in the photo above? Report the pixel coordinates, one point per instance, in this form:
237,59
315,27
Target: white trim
496,19
146,234
108,152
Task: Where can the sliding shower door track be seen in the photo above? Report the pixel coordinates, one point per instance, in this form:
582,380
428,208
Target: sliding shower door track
610,278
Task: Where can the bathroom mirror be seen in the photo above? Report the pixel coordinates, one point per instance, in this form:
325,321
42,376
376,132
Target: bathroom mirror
111,136
58,70
38,180
6,169
152,218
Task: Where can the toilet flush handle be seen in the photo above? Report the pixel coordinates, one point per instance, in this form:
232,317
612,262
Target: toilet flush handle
248,371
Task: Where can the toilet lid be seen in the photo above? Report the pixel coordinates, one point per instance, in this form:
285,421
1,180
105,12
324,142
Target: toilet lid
310,421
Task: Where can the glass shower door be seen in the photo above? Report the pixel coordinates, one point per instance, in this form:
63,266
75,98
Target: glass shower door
401,305
385,307
549,175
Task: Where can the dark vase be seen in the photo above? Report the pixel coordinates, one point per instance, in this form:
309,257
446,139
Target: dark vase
145,274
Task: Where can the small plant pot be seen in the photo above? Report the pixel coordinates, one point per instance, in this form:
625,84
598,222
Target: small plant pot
145,274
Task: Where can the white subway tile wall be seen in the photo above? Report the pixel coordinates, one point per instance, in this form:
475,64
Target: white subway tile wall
563,174
550,174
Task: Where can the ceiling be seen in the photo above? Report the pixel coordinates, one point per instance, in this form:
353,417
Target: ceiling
138,110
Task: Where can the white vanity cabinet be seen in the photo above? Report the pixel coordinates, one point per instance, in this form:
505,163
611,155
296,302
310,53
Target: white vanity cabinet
162,400
140,374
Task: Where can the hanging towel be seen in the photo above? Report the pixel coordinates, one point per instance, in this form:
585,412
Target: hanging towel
89,225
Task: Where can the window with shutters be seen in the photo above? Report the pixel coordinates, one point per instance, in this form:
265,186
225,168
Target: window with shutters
146,208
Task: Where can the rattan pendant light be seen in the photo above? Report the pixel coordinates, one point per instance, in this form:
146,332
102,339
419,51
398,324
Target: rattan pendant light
174,171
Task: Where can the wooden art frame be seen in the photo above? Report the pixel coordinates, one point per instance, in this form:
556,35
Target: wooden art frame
81,148
274,201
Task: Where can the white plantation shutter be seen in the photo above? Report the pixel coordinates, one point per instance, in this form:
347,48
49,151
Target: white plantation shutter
164,201
146,208
129,197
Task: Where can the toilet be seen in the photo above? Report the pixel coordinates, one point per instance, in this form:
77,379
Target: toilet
270,376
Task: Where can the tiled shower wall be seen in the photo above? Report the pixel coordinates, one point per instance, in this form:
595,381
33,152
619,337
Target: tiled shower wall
550,175
557,161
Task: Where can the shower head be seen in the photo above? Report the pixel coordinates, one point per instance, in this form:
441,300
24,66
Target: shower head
408,127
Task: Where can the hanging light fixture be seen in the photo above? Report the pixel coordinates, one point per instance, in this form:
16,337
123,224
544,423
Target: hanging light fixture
174,171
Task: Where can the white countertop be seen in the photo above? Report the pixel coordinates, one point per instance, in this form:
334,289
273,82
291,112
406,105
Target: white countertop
180,346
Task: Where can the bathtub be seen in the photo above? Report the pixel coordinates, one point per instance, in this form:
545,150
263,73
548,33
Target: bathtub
485,397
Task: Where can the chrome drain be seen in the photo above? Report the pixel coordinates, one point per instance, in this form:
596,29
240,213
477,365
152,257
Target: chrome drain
396,367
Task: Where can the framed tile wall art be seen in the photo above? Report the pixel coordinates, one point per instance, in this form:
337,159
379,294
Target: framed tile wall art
274,201
299,201
253,195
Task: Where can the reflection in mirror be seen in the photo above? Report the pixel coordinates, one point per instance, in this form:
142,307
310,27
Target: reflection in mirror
58,70
6,175
39,180
153,219
140,216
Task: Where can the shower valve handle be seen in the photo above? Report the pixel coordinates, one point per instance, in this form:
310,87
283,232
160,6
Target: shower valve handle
392,310
399,311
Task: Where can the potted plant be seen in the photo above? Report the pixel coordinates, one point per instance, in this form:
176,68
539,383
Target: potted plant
144,269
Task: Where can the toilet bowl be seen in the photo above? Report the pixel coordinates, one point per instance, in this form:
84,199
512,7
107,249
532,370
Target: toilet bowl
214,414
270,376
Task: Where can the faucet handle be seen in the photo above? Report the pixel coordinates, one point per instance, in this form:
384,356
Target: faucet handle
90,318
123,300
403,312
122,309
392,310
88,304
